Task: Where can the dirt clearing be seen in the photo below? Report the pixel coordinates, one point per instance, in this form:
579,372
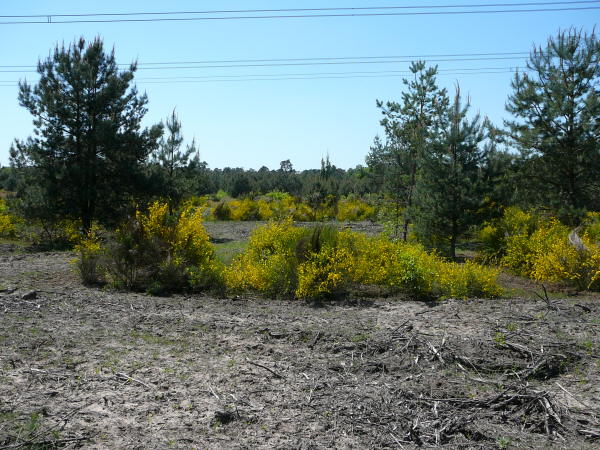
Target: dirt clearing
82,367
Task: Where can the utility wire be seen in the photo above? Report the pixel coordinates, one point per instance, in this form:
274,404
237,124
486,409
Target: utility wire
296,64
404,72
298,78
324,58
49,17
310,75
287,10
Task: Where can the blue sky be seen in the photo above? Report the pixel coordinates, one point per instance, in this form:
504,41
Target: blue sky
251,123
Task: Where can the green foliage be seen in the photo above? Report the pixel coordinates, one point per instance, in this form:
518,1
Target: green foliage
410,127
285,260
172,162
160,252
8,221
541,248
556,106
222,211
449,190
87,156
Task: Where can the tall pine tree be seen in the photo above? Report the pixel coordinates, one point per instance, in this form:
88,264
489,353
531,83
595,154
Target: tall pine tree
557,128
408,129
87,157
450,188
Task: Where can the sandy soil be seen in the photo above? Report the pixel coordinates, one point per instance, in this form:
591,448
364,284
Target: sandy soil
91,368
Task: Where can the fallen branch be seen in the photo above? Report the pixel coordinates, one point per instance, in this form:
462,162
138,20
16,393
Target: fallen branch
277,375
126,377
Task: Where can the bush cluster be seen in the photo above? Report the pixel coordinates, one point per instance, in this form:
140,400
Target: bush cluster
44,234
154,251
280,205
160,252
283,260
545,250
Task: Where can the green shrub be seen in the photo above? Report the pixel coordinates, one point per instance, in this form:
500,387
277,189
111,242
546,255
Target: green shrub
269,264
539,248
8,221
222,211
319,262
162,253
89,251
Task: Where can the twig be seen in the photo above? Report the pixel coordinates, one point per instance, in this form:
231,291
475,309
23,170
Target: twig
213,392
53,443
546,299
277,375
572,396
128,378
316,339
593,433
435,352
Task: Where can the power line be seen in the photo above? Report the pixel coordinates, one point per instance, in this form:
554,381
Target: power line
404,72
323,58
313,63
281,10
49,17
284,10
299,78
310,76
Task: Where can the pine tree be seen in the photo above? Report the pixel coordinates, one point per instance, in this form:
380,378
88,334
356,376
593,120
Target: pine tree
173,161
557,126
450,188
408,129
87,157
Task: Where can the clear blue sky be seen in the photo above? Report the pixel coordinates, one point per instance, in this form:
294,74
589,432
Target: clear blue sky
251,123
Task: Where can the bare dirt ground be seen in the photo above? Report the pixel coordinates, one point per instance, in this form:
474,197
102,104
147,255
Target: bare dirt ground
92,368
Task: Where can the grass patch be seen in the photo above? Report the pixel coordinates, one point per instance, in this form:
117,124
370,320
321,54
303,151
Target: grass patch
226,251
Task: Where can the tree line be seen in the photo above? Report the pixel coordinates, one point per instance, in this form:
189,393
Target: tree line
443,168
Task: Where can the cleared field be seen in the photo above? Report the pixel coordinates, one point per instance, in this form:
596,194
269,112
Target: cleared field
92,368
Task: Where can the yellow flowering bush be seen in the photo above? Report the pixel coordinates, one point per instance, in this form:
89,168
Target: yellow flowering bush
281,205
8,222
90,250
278,206
540,249
400,266
493,235
273,206
466,280
324,273
591,226
303,213
161,252
56,235
282,259
407,267
245,209
265,210
353,209
269,264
